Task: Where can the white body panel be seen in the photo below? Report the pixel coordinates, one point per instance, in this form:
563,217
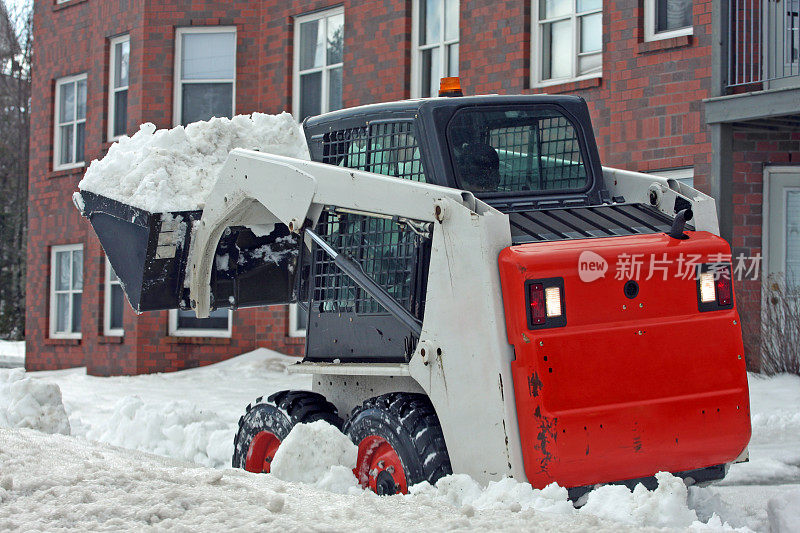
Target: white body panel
463,359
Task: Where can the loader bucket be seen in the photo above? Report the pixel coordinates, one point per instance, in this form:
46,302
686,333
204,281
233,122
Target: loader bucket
150,252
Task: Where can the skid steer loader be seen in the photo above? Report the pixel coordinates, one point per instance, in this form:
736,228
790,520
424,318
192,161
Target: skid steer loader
464,263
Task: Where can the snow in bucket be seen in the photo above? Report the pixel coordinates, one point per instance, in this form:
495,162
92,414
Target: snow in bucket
174,170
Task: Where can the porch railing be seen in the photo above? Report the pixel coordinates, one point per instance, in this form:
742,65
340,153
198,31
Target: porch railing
763,41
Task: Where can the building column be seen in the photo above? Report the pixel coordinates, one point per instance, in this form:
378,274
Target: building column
720,180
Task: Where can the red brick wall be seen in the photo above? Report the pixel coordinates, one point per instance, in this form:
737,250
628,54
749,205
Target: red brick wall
647,114
647,108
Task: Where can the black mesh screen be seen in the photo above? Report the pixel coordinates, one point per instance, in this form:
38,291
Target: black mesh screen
387,251
388,148
516,150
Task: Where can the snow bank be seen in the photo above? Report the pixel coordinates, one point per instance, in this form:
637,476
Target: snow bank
177,429
318,454
57,483
664,507
31,403
174,170
784,513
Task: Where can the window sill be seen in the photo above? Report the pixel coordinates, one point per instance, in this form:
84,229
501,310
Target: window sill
66,172
220,341
61,342
68,3
569,86
110,339
648,47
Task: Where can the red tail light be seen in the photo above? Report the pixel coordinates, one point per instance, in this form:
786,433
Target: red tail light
536,299
714,287
545,303
724,286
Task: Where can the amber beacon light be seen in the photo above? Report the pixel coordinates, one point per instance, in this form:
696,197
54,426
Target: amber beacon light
450,87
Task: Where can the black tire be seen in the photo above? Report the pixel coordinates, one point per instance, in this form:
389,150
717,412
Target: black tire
409,424
278,414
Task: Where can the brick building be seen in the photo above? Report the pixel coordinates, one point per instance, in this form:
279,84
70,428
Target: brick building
663,78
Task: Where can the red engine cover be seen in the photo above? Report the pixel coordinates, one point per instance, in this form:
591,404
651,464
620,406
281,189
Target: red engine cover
629,386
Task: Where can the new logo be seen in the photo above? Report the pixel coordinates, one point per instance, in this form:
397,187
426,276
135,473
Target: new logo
591,266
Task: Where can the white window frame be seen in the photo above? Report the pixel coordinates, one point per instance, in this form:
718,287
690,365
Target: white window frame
56,125
650,24
416,49
537,47
680,174
325,68
175,331
294,330
108,331
53,303
112,63
178,82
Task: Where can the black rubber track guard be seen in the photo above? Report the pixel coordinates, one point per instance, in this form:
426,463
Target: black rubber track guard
409,423
278,415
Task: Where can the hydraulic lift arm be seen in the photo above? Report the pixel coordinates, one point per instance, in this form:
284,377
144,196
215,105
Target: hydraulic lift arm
257,189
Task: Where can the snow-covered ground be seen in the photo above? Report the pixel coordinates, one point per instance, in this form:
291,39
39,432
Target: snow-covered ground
55,481
12,354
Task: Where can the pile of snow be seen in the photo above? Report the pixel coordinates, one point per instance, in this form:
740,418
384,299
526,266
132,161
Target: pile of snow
664,507
31,403
52,482
318,454
466,494
174,170
177,429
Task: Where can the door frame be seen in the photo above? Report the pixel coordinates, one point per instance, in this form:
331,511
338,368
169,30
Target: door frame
769,171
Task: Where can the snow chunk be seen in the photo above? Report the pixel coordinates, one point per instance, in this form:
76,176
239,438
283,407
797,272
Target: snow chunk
664,507
31,403
319,454
176,429
174,170
784,512
461,491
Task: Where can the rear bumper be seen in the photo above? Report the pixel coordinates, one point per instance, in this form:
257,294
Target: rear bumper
595,406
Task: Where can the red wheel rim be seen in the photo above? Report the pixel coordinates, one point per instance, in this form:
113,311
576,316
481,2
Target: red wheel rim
378,466
261,452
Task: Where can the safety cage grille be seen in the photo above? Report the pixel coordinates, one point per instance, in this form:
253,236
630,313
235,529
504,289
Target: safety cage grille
388,148
389,252
553,141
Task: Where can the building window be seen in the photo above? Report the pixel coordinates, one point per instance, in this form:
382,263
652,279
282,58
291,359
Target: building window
318,45
684,175
205,73
120,48
298,321
66,291
186,324
667,18
435,38
568,40
114,307
70,113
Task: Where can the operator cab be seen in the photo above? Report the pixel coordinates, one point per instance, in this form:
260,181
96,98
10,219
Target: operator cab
507,150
